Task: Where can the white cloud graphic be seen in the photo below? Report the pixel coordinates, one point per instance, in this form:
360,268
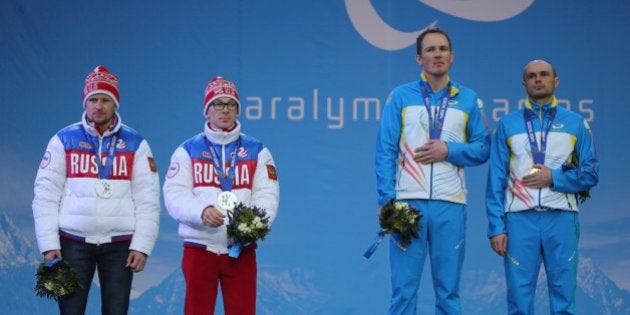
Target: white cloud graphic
480,10
374,30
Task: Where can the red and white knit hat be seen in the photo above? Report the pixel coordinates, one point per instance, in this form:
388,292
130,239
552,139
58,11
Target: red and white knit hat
101,81
217,88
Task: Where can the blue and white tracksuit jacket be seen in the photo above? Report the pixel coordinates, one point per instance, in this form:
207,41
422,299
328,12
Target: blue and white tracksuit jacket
541,224
404,127
65,200
192,183
438,190
511,159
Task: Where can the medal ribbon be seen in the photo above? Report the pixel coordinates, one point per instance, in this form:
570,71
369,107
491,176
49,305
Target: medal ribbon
104,171
226,178
235,250
538,153
436,121
377,241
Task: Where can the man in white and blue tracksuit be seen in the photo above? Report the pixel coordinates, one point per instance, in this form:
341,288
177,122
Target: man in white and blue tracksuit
542,160
430,130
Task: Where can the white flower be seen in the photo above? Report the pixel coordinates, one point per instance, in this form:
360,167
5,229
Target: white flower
242,227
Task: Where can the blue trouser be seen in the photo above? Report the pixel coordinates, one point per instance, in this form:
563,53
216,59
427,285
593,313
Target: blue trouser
535,237
114,278
442,237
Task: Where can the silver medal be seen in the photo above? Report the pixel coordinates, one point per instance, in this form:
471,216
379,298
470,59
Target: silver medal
104,188
227,200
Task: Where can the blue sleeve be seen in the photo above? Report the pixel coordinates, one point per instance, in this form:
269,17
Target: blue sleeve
387,149
498,172
477,149
586,174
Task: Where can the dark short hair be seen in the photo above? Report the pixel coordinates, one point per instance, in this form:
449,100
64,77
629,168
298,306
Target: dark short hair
431,30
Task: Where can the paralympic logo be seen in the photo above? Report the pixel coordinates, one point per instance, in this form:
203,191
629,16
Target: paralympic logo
377,32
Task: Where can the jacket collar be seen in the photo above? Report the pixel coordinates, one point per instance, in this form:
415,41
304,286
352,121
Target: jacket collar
540,107
222,136
454,89
89,127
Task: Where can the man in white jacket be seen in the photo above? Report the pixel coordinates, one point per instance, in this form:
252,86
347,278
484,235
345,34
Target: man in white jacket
97,199
220,161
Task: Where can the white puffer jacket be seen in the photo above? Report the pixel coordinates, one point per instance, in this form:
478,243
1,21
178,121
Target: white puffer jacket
192,184
66,200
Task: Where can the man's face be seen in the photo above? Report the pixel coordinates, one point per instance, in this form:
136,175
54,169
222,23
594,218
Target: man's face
436,56
222,113
100,109
540,81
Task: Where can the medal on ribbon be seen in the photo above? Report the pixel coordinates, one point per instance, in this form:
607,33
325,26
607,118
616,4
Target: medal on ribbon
226,200
104,188
436,121
538,153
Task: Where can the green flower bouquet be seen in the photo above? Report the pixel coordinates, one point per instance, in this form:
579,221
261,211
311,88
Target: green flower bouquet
399,219
246,225
55,279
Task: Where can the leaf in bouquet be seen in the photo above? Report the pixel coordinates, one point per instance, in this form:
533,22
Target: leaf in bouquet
414,233
583,195
406,240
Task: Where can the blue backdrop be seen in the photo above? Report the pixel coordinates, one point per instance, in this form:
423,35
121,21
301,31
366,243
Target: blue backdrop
313,77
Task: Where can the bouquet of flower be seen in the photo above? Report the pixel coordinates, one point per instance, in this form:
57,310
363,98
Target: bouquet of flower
55,279
246,225
401,220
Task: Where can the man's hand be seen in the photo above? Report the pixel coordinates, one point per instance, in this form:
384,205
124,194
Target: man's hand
136,260
52,254
212,217
431,152
539,179
499,244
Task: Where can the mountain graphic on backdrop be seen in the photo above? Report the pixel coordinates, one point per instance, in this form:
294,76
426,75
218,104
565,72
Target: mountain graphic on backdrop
282,291
485,292
19,259
279,292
